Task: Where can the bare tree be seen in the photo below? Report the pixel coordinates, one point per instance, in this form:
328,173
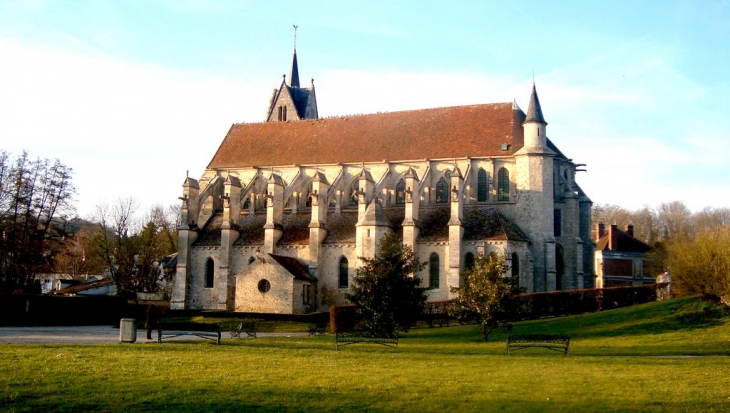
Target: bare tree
32,194
131,247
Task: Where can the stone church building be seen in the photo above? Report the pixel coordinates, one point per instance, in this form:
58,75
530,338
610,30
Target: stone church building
285,208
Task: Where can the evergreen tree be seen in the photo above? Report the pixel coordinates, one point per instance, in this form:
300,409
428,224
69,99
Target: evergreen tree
386,290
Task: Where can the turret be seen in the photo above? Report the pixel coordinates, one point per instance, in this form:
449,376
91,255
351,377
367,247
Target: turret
274,213
412,201
456,231
535,126
317,231
365,191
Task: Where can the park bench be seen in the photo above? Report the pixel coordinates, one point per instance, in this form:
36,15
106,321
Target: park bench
344,338
554,342
170,331
245,330
317,329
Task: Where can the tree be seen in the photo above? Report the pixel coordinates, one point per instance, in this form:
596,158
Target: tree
700,263
386,289
132,252
488,296
32,194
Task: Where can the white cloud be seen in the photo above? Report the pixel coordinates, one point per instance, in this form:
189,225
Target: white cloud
129,129
125,129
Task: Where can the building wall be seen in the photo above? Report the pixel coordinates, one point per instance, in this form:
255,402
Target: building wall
279,299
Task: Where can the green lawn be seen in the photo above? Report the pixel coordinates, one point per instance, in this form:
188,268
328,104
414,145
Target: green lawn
667,356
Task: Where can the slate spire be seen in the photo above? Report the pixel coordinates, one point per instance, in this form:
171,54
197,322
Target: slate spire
534,111
294,78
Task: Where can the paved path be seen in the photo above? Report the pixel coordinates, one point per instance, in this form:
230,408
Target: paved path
83,335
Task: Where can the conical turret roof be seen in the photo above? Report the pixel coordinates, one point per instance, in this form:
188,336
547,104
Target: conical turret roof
534,112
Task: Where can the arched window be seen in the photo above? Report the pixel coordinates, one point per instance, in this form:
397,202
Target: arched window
503,185
209,273
515,265
442,191
353,195
482,185
468,261
433,271
247,203
343,280
400,192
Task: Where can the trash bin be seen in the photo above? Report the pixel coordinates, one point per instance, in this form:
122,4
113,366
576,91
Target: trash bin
127,330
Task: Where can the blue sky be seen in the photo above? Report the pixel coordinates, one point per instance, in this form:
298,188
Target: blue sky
132,94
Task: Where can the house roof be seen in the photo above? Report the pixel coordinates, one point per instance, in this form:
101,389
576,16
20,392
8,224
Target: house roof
476,130
84,287
294,266
622,242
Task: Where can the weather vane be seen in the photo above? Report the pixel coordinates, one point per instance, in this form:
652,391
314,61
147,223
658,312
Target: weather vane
295,35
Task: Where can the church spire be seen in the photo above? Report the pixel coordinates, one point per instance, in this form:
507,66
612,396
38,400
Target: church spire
534,111
294,78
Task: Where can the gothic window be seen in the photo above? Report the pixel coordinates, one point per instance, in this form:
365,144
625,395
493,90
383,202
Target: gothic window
247,203
503,185
433,271
515,265
344,276
284,117
400,192
557,223
468,261
482,185
209,273
442,191
281,112
353,195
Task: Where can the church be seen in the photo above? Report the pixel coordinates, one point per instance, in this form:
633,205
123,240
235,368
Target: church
278,221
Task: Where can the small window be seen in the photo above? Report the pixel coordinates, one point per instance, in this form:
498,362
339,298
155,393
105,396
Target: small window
264,286
281,111
251,259
343,280
306,293
284,117
503,185
433,270
515,265
442,191
482,185
400,192
209,273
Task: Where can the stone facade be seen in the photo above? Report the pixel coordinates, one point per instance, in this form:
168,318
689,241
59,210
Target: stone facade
297,203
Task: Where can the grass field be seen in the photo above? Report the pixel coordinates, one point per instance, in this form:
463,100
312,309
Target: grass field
665,356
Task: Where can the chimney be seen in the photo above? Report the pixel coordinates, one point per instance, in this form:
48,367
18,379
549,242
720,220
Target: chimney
630,229
600,230
612,237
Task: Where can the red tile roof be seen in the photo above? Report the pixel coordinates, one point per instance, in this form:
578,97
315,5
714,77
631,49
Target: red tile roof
477,130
